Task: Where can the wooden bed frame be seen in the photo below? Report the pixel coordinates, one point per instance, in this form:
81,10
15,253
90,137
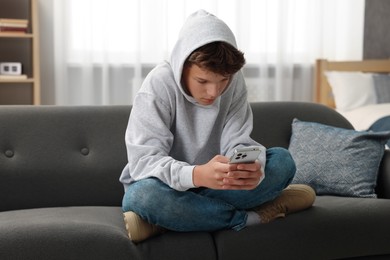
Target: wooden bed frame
323,92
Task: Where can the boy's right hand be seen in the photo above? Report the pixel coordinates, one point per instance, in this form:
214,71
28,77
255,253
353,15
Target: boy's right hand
211,174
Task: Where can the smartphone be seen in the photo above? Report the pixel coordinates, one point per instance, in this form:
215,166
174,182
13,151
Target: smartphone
245,154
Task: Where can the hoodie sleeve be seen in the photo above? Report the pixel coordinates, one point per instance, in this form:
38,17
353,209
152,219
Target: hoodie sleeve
149,141
239,123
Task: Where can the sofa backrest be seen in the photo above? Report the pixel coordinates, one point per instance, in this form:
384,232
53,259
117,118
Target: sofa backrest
276,118
61,156
73,155
272,120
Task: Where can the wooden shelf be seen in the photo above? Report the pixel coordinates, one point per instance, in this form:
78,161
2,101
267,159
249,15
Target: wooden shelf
29,80
23,48
16,35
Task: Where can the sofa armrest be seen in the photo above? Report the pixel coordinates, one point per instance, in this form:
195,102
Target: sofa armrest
383,188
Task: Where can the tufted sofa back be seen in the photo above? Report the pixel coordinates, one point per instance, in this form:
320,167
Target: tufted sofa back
73,155
272,120
61,156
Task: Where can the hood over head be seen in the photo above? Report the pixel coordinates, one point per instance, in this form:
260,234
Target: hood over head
199,29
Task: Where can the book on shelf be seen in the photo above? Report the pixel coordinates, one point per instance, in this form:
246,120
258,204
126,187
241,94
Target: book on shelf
12,77
13,29
14,22
13,25
16,25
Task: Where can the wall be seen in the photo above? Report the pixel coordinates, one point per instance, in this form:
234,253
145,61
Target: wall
377,30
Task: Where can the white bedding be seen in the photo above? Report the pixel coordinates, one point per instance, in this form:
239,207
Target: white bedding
363,117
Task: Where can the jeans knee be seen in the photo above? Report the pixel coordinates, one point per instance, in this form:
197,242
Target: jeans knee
140,194
280,160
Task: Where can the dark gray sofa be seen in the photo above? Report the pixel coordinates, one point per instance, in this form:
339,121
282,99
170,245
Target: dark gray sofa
60,195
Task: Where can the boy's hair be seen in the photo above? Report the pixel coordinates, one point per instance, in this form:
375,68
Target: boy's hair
218,57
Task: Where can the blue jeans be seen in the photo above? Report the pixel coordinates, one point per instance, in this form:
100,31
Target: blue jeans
203,209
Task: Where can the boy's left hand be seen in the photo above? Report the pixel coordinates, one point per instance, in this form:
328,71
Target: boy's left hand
244,176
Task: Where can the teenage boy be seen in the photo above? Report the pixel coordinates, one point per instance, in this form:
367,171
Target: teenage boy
189,116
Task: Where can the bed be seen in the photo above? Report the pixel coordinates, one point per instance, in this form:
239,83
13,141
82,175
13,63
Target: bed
359,90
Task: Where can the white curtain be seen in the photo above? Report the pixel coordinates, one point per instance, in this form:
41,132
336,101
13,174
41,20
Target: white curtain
104,48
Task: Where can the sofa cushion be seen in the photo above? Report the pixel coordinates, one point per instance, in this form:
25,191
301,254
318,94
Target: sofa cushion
334,228
64,232
90,233
337,161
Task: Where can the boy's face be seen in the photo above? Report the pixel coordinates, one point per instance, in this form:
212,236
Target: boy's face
203,85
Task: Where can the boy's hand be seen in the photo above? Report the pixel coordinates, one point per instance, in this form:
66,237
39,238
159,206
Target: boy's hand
243,176
219,174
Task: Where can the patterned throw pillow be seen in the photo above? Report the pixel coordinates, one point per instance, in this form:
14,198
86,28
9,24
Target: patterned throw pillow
337,161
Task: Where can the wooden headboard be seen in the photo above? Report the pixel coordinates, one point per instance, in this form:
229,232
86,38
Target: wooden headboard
323,91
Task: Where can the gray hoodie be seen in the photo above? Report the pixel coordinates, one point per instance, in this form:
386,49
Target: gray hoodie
168,131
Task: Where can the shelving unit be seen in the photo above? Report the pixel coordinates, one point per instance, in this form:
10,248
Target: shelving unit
23,48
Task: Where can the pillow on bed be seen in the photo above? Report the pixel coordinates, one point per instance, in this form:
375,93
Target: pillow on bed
336,161
351,89
382,87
